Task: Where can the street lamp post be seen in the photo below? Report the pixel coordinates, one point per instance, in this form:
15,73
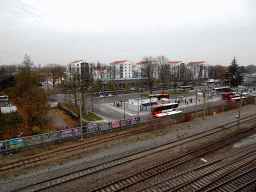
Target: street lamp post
204,100
138,101
138,113
196,104
124,110
92,103
81,122
239,114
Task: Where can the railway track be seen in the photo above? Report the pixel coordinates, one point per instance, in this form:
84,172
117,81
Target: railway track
126,183
204,177
48,183
85,145
210,169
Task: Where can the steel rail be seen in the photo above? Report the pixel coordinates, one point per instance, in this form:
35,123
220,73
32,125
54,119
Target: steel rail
207,166
153,171
121,160
245,185
234,164
238,177
109,166
41,157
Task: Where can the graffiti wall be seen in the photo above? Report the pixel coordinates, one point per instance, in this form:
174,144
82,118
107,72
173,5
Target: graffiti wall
92,128
76,131
115,124
15,143
48,137
66,133
123,122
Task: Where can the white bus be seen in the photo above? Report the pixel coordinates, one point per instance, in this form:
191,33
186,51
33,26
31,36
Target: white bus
169,112
4,98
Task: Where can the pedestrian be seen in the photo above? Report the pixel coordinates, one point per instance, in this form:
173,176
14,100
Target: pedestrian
114,103
191,100
187,103
199,100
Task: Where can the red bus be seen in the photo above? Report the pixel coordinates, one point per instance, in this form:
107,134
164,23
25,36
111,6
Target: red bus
165,114
232,96
237,98
159,108
159,96
228,95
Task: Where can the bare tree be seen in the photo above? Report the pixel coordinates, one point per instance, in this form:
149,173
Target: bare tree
85,83
175,83
102,70
113,70
54,72
148,71
164,70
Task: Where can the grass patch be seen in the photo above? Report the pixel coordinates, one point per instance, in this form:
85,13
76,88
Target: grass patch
176,92
76,109
170,93
91,117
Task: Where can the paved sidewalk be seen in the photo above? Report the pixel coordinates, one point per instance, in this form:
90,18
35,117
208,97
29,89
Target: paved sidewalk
110,107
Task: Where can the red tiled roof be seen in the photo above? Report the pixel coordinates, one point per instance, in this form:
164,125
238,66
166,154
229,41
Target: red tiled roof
174,62
198,62
76,61
144,62
117,62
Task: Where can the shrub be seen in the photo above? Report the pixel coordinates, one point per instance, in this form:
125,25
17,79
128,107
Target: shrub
219,109
209,110
36,130
226,107
187,117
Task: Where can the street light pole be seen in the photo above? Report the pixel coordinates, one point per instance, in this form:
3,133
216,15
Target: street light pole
124,110
204,100
92,103
138,114
138,101
196,104
81,123
239,114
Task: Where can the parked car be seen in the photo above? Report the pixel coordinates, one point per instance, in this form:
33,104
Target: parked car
110,95
102,96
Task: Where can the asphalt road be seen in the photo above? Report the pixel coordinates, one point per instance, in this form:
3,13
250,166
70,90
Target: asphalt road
105,107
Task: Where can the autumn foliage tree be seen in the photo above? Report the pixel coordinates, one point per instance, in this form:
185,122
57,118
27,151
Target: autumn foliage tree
29,98
31,103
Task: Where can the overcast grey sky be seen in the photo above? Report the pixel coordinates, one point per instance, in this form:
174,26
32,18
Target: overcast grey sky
52,31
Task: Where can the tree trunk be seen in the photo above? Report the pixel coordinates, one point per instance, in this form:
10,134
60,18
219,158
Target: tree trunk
83,101
75,96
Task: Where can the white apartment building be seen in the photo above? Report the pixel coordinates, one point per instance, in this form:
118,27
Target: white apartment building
138,68
197,70
120,69
176,69
81,68
99,74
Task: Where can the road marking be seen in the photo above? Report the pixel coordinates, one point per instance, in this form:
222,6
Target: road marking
120,110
